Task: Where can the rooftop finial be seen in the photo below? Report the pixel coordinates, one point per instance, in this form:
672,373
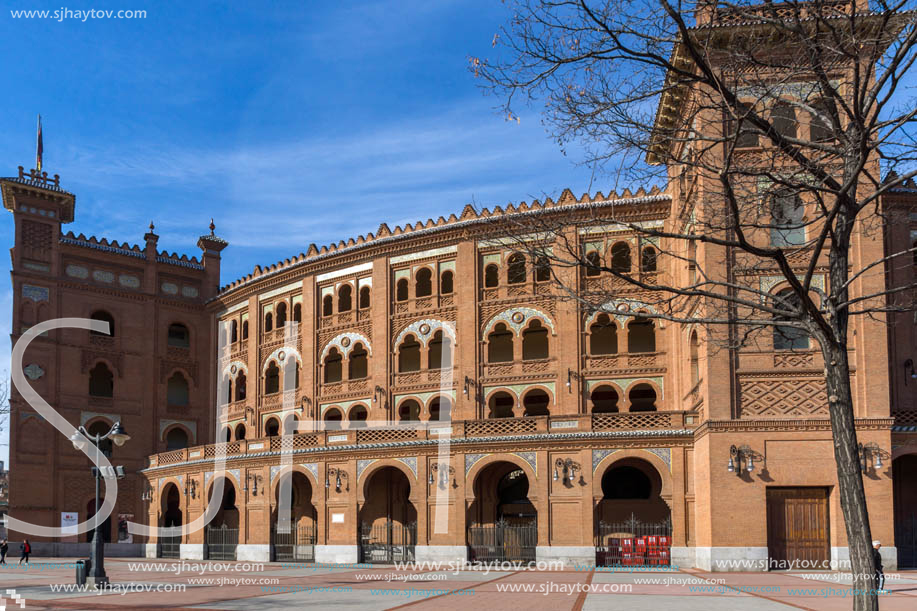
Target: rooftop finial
212,226
152,227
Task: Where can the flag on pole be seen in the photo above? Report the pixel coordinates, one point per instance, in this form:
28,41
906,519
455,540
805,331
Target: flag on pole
40,147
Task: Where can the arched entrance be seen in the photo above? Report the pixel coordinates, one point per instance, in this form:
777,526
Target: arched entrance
293,540
904,474
388,519
633,522
105,526
222,533
171,515
503,521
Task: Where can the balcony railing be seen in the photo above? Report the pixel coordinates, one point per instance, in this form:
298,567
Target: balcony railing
518,368
410,431
632,360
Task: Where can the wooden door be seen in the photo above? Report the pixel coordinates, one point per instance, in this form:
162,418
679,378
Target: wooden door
797,527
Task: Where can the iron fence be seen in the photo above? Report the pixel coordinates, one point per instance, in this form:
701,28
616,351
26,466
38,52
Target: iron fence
222,543
906,541
503,541
293,544
169,547
634,543
387,542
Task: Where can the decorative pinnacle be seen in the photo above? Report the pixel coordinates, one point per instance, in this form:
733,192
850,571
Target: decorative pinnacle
212,226
151,227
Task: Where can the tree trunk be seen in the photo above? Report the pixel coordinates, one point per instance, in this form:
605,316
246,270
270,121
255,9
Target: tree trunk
850,478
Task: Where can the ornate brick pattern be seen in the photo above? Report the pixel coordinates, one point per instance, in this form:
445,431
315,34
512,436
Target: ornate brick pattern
778,398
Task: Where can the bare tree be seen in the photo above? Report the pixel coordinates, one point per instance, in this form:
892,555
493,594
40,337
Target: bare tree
771,125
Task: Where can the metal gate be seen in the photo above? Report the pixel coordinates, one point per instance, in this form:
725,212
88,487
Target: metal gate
906,540
297,544
503,542
222,543
633,543
387,542
169,547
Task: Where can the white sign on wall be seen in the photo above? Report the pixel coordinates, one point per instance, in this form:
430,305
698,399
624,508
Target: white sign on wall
68,522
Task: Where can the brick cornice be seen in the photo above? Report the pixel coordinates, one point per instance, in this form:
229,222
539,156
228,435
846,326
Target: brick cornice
785,425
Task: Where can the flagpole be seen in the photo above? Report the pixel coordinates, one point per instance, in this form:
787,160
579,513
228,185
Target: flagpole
39,147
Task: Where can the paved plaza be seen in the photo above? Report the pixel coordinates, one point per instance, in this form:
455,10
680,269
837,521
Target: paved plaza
167,584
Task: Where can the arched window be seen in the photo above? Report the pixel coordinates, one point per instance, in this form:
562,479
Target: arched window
536,403
501,405
268,322
409,354
692,262
272,427
289,424
179,336
603,336
226,434
240,432
101,381
500,344
695,362
440,351
176,439
642,398
333,366
783,118
233,332
244,329
272,379
409,411
333,419
364,298
641,335
401,290
648,259
104,317
423,286
297,312
515,269
228,385
357,417
604,400
281,314
620,258
177,391
535,341
445,283
345,298
358,367
440,409
787,218
491,276
100,427
327,305
820,126
290,374
787,337
542,269
593,264
240,386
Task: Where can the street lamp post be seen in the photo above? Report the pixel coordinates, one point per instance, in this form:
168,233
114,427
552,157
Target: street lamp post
97,552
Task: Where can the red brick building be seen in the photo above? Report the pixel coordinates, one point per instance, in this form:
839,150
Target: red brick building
593,436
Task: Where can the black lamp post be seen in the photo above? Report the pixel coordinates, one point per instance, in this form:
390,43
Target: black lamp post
97,552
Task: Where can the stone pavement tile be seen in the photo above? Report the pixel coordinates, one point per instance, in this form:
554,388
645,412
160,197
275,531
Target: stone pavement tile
637,602
299,600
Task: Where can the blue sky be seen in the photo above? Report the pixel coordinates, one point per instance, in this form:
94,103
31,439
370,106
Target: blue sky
289,123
